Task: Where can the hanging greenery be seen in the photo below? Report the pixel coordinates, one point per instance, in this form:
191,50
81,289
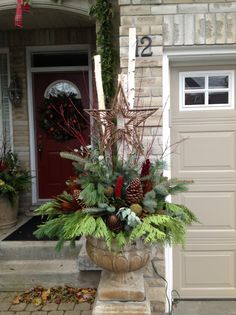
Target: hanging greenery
59,113
102,11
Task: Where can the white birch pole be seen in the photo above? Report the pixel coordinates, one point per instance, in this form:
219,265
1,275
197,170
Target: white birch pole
131,67
98,79
123,79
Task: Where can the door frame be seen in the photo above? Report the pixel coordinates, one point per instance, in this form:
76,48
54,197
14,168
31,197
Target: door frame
32,125
179,55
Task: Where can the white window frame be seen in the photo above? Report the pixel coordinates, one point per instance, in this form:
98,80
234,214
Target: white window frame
78,96
206,90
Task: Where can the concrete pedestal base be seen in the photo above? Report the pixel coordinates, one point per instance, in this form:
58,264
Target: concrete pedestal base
121,286
124,308
121,293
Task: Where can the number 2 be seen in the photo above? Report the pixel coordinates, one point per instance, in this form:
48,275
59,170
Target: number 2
142,41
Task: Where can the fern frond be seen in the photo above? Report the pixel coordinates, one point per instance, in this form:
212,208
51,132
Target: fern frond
72,156
121,240
78,224
50,229
146,230
103,232
59,244
176,186
46,209
191,216
181,212
93,210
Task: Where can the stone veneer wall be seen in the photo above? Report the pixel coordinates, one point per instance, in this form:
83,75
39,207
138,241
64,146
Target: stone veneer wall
186,23
17,41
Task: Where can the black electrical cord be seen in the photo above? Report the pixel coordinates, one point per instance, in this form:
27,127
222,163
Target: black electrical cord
173,301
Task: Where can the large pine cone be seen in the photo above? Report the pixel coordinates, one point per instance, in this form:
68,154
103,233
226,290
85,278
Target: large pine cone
134,192
114,223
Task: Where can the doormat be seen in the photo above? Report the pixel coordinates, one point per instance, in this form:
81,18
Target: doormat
25,231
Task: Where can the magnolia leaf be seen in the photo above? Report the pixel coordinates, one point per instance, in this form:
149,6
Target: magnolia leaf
150,205
111,209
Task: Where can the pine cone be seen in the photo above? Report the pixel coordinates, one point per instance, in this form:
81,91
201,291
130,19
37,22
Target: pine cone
134,192
80,203
114,223
76,193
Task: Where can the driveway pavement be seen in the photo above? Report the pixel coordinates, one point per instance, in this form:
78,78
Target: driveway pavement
6,307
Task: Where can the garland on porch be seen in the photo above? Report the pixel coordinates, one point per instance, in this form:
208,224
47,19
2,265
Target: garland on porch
102,11
61,113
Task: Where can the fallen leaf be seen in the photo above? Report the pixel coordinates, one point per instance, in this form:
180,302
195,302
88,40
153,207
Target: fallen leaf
37,301
16,300
45,295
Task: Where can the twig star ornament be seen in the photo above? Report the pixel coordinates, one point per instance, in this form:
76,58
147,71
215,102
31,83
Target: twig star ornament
120,124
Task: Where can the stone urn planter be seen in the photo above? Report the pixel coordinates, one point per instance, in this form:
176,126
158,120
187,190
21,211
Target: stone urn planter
131,258
8,213
121,288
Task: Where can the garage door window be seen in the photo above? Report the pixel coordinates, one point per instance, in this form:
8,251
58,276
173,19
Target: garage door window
206,90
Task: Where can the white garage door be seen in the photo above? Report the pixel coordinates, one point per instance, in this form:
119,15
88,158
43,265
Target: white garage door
203,114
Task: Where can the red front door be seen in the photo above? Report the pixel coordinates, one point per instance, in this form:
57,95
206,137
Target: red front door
52,170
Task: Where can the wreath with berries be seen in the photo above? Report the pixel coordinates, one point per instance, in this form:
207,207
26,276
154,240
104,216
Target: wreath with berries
61,113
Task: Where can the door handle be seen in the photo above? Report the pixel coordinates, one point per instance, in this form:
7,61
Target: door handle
40,143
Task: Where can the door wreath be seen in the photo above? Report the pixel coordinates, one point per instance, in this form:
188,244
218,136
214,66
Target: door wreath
61,113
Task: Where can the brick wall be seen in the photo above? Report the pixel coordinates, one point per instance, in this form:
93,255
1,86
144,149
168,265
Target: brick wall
170,23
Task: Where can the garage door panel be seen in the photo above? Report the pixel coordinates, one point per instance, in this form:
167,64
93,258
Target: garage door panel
204,154
208,267
213,270
207,151
215,210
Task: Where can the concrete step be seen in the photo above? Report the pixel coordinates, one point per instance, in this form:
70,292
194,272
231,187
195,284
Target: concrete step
24,274
21,275
84,262
39,250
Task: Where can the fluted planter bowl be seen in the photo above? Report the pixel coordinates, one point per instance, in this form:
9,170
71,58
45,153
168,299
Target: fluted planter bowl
8,213
131,258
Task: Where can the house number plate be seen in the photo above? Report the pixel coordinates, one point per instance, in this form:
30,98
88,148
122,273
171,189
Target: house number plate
147,49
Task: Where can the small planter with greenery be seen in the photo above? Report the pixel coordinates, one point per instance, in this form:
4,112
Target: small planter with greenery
13,181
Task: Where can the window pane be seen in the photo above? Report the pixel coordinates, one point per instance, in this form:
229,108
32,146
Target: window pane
192,83
219,82
194,99
62,87
60,59
218,98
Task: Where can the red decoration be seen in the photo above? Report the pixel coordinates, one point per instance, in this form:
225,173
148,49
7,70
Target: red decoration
22,6
146,184
118,186
146,168
3,166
